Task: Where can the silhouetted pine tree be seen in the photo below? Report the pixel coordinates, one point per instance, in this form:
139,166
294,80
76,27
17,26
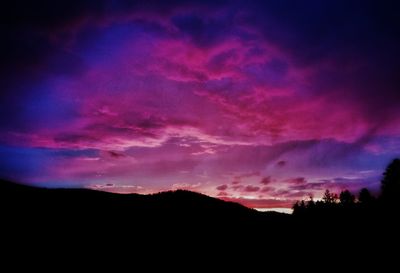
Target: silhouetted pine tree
391,184
365,198
347,198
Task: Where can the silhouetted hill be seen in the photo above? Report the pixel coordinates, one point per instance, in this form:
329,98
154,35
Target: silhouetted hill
17,196
172,209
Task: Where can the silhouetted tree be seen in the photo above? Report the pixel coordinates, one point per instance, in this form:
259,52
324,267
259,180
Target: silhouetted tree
366,209
346,198
311,203
365,198
299,207
391,182
329,198
296,207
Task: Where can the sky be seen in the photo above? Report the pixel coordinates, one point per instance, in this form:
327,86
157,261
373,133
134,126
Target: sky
259,102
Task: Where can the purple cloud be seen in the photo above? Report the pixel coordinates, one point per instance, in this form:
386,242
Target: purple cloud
281,163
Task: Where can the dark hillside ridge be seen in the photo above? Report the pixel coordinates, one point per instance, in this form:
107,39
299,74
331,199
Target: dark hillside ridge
31,205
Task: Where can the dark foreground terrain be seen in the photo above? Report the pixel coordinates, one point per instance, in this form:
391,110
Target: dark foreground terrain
25,206
172,209
179,222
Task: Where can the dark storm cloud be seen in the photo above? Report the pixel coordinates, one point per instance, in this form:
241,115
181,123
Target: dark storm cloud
201,32
29,56
353,43
322,29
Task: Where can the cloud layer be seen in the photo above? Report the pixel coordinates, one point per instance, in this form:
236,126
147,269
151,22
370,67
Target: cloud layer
255,101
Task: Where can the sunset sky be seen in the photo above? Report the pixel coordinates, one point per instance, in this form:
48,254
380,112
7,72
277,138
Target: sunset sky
260,102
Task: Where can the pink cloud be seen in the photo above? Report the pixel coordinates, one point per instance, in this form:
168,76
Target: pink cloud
222,193
250,188
266,180
237,187
297,180
222,187
267,189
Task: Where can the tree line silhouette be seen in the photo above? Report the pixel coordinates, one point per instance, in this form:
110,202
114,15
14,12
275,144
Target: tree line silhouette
346,203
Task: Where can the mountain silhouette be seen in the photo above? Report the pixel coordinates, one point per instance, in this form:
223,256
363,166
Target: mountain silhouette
26,198
24,205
